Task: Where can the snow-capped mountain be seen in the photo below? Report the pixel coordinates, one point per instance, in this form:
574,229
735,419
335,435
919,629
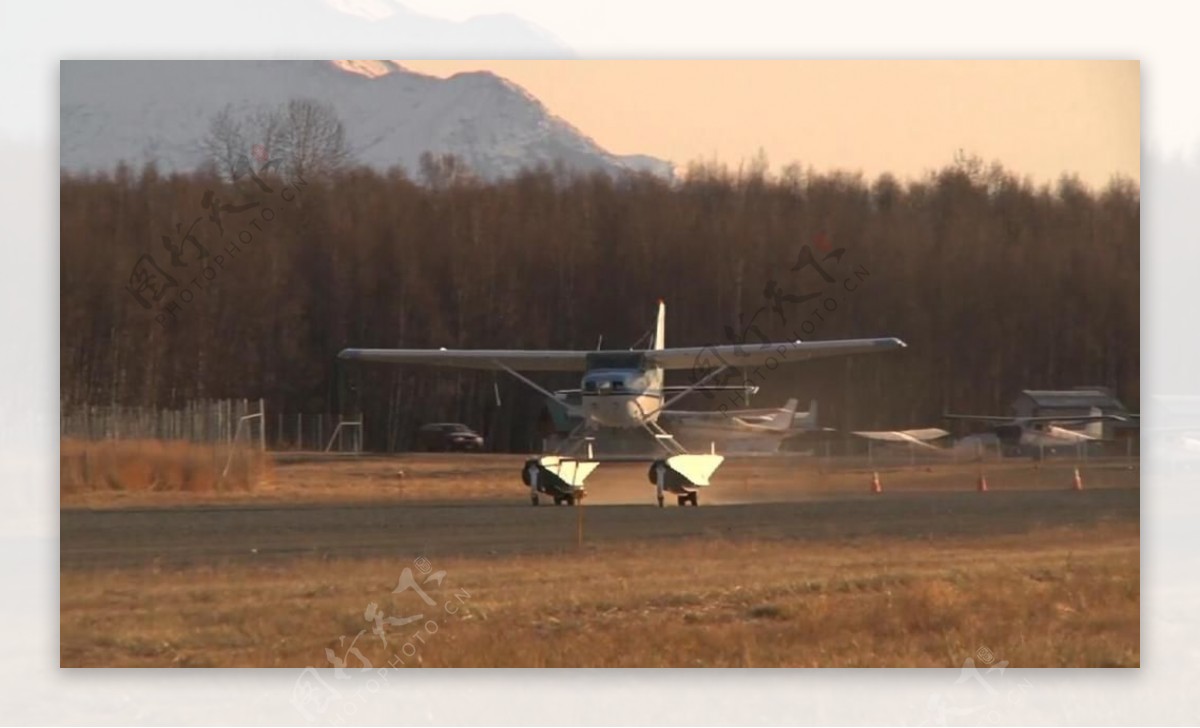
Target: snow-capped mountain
141,111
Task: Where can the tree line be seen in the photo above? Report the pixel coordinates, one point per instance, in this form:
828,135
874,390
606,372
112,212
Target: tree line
995,283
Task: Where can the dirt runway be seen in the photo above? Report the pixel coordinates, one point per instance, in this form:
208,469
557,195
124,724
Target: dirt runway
230,534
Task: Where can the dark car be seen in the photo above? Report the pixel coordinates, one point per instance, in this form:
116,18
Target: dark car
448,437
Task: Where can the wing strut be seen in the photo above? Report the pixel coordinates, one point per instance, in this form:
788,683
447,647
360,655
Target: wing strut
524,378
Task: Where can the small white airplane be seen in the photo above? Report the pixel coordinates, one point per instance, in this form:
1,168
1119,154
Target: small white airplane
625,389
1048,431
915,438
743,431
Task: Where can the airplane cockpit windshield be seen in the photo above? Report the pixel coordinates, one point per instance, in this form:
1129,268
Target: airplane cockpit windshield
616,360
607,382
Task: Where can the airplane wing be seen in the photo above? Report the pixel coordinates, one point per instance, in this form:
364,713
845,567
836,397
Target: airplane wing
520,360
912,437
980,418
1047,418
675,389
696,358
751,355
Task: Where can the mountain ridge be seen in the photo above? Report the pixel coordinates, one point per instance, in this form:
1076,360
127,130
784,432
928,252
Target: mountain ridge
138,112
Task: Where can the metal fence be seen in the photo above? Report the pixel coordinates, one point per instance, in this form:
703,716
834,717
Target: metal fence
300,431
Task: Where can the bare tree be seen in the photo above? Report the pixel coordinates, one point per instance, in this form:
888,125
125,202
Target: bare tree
225,143
440,171
312,138
303,138
268,126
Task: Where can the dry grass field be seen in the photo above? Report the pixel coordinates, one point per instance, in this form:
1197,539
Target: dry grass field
788,562
1060,597
120,471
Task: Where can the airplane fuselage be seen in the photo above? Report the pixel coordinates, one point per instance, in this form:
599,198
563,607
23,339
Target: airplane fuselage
1040,435
621,397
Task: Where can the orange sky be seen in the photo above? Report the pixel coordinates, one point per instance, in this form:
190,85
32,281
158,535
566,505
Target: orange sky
1038,118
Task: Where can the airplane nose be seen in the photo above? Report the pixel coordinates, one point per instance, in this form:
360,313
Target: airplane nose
632,410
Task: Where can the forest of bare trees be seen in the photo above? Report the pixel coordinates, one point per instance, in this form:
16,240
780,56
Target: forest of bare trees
995,284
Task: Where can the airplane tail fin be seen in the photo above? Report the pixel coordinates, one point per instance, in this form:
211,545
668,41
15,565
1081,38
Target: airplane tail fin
782,420
660,329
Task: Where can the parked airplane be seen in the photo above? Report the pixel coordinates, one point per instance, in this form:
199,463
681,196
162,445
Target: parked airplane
1043,432
742,431
917,438
751,431
625,389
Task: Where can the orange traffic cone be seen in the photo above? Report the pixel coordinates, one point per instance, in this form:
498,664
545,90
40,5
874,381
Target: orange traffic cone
876,486
982,483
1078,484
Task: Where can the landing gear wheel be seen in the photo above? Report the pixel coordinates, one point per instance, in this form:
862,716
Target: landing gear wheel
660,501
558,501
569,500
694,497
682,500
533,499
